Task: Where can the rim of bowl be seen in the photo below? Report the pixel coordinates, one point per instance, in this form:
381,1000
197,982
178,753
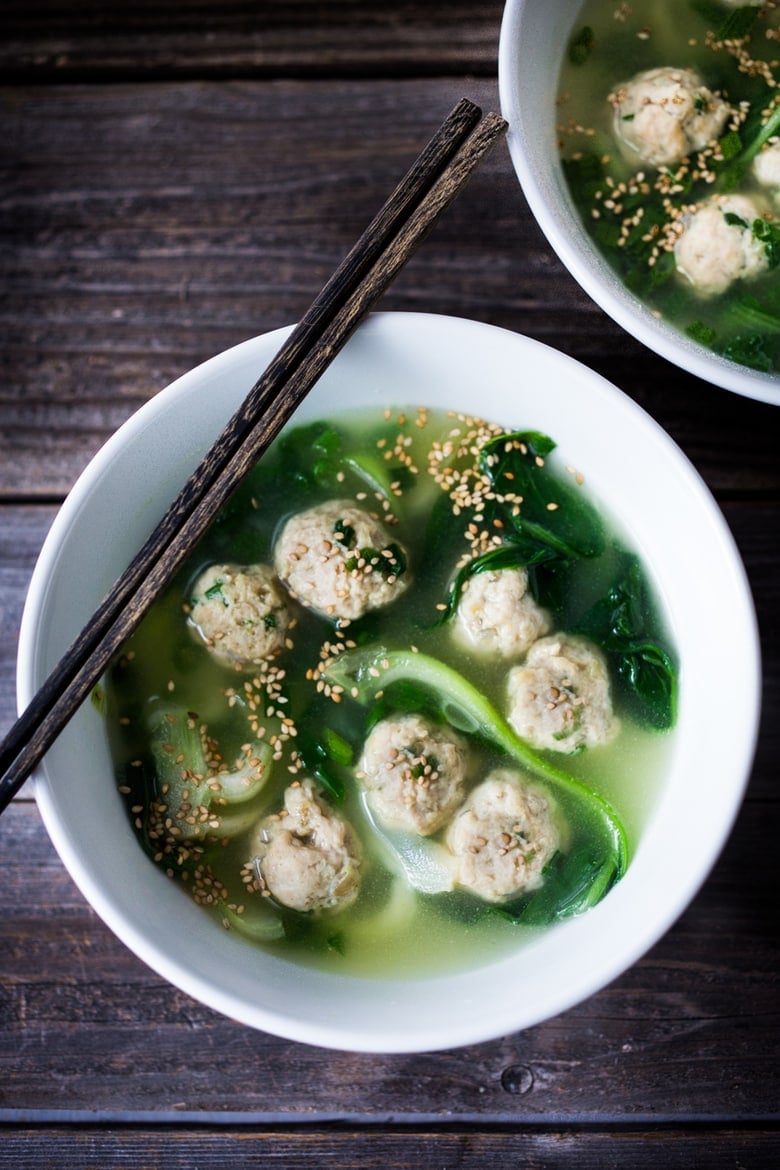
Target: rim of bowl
551,205
595,971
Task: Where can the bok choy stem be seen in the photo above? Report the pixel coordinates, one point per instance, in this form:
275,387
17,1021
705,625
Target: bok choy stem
364,673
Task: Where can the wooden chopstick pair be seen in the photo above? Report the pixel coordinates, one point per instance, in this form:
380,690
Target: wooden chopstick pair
432,182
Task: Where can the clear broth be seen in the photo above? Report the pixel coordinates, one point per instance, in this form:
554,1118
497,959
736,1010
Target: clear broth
389,930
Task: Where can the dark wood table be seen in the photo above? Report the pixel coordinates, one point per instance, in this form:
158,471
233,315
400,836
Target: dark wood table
176,177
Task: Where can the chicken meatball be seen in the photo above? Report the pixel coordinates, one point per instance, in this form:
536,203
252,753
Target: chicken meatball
414,773
240,613
340,561
306,857
503,837
662,115
498,615
559,698
717,245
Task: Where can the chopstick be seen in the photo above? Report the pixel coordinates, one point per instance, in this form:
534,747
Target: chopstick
430,185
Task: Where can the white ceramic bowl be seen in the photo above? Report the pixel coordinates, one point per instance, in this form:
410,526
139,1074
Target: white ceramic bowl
669,516
534,36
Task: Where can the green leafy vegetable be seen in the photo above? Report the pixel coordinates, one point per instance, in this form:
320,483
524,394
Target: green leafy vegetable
505,556
618,622
730,145
554,518
200,799
581,45
755,137
749,350
325,752
768,234
737,23
585,876
543,518
752,314
702,333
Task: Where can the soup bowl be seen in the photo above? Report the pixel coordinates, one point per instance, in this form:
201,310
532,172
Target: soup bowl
653,495
534,36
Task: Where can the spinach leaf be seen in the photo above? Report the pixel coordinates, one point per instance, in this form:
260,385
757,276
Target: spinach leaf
754,134
573,882
768,234
324,751
543,519
581,46
749,349
737,24
620,622
553,517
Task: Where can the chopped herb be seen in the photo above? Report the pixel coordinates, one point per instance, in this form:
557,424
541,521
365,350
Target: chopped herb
214,591
345,534
730,145
336,747
396,563
769,235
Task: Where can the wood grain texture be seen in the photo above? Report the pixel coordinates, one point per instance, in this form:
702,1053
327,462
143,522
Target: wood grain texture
175,177
191,216
552,1149
22,532
53,40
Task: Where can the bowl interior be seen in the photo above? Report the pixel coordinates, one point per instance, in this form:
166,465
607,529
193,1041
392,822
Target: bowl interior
653,493
533,38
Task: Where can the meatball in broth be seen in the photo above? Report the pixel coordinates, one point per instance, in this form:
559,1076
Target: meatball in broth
340,561
560,698
497,614
239,613
503,837
307,857
414,773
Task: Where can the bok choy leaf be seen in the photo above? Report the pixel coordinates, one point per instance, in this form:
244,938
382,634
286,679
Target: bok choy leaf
579,877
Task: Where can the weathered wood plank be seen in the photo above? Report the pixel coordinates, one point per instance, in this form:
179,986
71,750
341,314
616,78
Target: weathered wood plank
193,216
552,1149
692,1029
144,227
50,40
22,532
